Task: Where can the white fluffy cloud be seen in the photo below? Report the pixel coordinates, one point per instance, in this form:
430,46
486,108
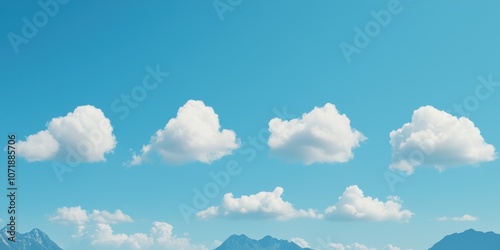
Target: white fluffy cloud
72,215
354,205
85,134
160,237
465,217
78,216
109,218
322,135
358,246
104,236
194,135
260,205
438,139
301,242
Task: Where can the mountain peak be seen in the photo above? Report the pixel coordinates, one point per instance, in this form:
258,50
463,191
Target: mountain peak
469,239
470,230
35,239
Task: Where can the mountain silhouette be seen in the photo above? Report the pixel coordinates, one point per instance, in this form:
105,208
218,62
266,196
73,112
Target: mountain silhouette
36,239
242,242
469,240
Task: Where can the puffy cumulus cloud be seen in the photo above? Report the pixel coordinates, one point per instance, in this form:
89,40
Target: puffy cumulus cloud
38,147
260,205
354,246
300,242
438,139
162,232
85,134
104,236
354,205
194,135
78,216
320,136
208,213
71,215
160,237
109,218
465,217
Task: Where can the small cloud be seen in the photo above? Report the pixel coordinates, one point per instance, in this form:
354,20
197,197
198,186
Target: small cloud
85,134
104,236
320,136
193,135
109,218
465,217
354,205
438,139
70,215
260,205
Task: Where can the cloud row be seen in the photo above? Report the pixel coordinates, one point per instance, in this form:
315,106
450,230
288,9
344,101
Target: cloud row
351,205
95,229
359,246
338,246
465,217
160,237
433,138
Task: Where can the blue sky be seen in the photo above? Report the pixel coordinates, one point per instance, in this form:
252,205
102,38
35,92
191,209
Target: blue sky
262,60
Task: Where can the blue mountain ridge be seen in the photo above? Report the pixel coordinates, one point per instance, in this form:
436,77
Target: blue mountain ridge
469,240
36,239
242,242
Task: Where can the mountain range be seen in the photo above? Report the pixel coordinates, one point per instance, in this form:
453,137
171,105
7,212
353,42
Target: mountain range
242,242
467,240
33,240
